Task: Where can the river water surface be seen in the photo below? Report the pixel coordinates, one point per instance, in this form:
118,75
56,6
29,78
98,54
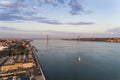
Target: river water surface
98,60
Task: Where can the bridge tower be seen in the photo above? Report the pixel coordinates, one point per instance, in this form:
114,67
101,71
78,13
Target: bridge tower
78,37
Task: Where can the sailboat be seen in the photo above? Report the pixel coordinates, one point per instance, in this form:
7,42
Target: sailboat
79,59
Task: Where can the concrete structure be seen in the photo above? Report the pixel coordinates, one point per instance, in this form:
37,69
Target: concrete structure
2,48
16,66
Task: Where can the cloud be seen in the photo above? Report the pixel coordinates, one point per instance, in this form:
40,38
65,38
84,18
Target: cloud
45,20
28,9
18,3
17,35
52,34
55,22
16,32
8,28
81,23
11,32
61,1
114,30
76,6
10,17
7,3
13,17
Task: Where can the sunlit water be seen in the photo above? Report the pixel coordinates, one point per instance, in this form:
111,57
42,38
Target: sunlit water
60,60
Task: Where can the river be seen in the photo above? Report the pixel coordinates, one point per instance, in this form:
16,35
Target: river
98,60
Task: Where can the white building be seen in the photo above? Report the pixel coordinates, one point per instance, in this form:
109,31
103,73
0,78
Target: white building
2,48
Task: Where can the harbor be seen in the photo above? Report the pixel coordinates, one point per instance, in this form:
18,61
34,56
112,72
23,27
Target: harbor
19,61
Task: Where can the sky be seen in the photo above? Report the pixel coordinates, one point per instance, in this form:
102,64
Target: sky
59,18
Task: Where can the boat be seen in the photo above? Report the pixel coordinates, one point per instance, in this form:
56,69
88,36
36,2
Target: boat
79,59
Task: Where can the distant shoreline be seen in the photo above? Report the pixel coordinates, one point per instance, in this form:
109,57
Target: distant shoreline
114,40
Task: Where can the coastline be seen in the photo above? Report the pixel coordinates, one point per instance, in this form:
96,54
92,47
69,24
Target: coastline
39,65
112,40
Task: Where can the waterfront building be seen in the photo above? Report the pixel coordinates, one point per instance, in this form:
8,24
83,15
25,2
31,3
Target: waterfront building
16,66
2,48
113,40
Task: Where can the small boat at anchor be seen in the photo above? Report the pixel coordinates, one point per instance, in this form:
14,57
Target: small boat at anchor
79,59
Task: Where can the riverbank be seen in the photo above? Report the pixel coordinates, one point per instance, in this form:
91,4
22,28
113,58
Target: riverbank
42,76
115,40
19,61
